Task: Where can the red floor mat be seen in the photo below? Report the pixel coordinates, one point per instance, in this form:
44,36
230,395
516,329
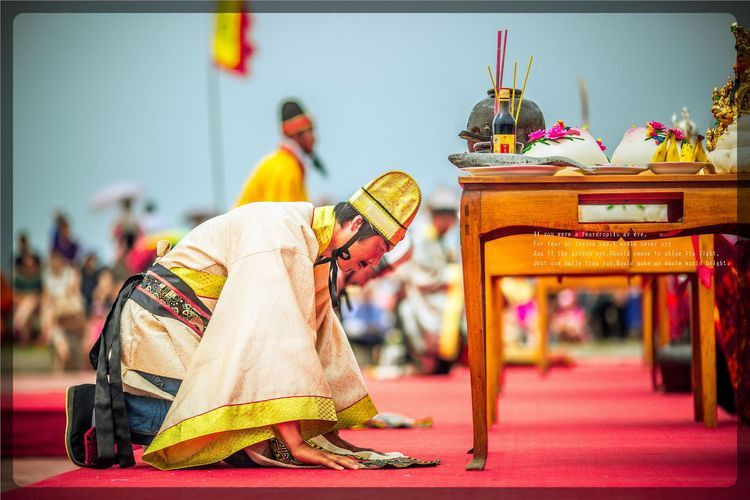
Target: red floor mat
597,424
38,425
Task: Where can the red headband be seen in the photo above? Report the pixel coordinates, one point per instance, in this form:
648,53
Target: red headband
295,125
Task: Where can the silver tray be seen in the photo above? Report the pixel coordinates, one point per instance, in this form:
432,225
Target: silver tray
470,160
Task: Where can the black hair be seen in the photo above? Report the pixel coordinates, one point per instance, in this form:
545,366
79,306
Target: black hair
345,212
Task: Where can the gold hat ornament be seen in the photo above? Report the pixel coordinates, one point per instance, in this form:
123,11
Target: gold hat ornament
389,203
733,99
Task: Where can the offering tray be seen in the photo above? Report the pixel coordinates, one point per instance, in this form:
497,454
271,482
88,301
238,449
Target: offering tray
464,160
677,167
514,170
611,169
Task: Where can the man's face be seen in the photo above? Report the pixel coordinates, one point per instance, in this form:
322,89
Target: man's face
306,140
365,252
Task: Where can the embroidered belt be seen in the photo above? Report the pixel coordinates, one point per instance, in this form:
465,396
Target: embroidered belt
163,293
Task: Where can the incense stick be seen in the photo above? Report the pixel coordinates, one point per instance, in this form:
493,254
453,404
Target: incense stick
513,96
489,70
523,90
498,55
502,64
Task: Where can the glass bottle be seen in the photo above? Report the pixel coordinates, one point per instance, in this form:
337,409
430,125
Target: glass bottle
504,125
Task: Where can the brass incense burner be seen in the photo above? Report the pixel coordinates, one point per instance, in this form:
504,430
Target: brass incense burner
479,127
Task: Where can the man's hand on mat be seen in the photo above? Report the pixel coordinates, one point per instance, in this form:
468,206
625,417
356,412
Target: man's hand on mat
290,434
309,455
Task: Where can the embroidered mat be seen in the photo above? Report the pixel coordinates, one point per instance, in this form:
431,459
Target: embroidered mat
369,460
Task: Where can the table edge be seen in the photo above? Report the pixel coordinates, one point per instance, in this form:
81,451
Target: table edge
603,179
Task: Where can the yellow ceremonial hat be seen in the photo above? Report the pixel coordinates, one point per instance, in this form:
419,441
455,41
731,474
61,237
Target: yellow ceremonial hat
389,203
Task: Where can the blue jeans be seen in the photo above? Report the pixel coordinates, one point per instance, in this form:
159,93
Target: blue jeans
145,414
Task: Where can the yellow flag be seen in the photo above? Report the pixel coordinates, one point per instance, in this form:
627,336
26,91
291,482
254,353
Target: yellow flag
231,49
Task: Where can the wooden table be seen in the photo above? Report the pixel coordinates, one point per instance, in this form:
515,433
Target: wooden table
513,256
495,207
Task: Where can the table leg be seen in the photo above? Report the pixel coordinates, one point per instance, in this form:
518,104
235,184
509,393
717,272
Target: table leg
647,310
471,251
500,345
661,336
542,295
704,340
494,313
490,348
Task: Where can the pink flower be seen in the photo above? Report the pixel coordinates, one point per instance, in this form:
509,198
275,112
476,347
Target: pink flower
537,134
679,135
601,146
556,132
656,125
573,131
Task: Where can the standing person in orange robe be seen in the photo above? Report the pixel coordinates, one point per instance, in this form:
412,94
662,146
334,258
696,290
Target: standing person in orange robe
280,176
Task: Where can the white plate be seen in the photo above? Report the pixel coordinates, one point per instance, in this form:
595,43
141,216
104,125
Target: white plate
615,169
514,170
677,167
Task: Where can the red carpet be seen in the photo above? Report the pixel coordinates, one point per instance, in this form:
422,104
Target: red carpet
38,425
598,424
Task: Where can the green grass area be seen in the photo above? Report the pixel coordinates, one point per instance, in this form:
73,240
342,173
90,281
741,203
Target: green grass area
32,359
630,347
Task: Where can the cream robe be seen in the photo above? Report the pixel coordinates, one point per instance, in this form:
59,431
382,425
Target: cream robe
273,351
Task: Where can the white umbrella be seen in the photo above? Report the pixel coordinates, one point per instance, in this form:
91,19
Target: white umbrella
113,194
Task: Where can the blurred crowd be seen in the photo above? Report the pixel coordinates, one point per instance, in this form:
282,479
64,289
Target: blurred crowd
411,320
406,315
61,296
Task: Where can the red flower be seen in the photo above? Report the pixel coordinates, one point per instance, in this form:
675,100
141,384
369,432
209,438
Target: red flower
679,135
656,125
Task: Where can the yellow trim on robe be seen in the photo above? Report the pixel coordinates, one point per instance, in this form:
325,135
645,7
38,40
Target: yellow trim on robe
357,414
323,223
278,177
210,285
204,284
213,436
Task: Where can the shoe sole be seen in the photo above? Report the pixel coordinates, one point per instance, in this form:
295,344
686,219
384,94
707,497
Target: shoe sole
68,402
69,405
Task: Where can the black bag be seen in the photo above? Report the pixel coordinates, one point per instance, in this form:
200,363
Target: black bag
674,362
